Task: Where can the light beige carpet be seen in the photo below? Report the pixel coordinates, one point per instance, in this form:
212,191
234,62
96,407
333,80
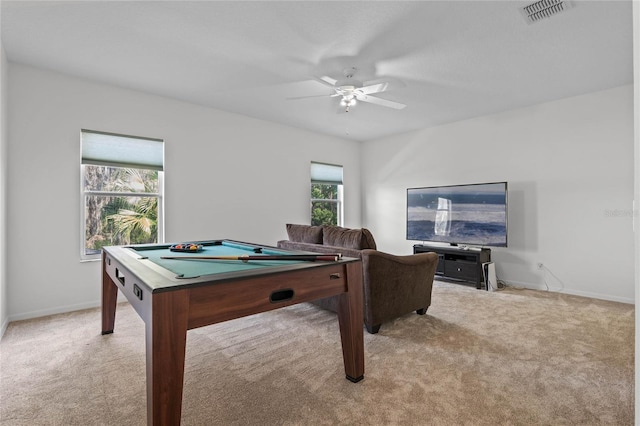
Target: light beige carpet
514,357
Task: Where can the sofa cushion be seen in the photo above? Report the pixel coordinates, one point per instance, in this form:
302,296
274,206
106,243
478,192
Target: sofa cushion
355,239
304,233
319,248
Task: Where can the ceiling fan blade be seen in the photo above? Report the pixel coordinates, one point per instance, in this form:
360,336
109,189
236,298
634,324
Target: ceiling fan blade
311,96
374,88
380,101
327,81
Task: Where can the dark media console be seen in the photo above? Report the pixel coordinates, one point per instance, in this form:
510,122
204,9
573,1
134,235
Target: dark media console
458,262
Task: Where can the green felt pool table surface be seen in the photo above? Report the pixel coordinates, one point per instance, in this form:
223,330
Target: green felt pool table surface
157,274
195,268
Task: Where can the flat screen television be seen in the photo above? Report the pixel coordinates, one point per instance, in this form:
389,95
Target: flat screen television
474,214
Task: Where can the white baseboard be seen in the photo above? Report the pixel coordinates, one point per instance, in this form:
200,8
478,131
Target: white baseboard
573,292
57,310
3,327
511,283
53,311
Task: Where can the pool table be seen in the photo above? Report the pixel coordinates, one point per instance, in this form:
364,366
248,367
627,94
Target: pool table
175,295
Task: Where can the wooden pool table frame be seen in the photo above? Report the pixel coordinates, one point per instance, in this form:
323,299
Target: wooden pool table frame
170,306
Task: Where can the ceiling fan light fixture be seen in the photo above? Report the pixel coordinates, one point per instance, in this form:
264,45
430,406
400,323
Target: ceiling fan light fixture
348,101
350,91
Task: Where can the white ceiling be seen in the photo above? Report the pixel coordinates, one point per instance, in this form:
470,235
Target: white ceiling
447,60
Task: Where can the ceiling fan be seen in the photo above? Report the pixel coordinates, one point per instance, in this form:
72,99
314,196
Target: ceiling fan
350,91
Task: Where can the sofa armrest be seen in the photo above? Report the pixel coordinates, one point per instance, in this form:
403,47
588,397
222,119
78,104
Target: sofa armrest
428,259
395,285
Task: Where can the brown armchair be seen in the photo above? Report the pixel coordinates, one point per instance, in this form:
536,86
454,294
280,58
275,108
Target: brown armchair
396,285
393,285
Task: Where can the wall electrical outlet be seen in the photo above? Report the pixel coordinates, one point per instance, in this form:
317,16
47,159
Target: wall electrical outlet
540,265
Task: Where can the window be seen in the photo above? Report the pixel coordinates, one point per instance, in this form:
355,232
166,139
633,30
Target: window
121,191
326,194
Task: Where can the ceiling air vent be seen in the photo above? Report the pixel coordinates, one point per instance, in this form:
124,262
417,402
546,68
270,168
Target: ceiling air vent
544,9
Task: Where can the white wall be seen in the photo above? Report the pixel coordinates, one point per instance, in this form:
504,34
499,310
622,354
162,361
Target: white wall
4,315
227,176
570,170
636,73
569,165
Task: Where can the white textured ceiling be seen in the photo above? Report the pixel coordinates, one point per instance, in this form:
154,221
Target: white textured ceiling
447,60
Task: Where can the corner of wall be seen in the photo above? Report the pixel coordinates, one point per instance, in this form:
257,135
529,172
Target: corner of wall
4,317
636,206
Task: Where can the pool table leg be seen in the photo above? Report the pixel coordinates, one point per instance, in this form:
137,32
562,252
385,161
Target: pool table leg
350,314
166,339
109,299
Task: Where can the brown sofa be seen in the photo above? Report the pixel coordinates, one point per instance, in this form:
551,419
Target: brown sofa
393,285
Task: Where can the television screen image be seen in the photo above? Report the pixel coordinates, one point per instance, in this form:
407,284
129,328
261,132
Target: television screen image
474,214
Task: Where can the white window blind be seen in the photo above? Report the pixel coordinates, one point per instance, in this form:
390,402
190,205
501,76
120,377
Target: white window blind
326,174
107,149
